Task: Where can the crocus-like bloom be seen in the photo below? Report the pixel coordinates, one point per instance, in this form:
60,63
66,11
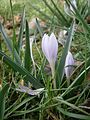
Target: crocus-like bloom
50,49
69,9
69,63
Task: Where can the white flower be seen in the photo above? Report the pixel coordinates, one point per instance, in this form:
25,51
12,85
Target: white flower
50,49
69,63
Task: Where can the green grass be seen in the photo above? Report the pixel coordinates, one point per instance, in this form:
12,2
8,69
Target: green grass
18,7
17,67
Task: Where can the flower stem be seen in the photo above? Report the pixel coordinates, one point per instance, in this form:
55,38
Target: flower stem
53,75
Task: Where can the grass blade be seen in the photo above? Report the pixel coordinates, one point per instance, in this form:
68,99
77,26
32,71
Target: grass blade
80,77
53,11
45,16
64,20
14,108
27,49
60,67
21,32
71,106
2,100
26,74
73,115
79,17
9,44
14,32
39,28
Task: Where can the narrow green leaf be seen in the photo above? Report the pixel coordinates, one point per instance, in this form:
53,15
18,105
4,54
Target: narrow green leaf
26,74
64,20
60,67
88,7
81,94
27,49
39,28
79,78
14,32
73,115
0,44
71,105
14,108
2,100
9,44
53,11
21,32
79,17
45,16
17,113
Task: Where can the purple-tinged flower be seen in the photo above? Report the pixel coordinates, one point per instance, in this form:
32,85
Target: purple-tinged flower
69,63
50,48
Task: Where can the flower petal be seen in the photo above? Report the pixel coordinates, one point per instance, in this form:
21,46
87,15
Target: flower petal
53,47
45,40
50,47
69,64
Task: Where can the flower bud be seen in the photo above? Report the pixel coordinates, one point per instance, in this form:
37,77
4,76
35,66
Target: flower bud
69,63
